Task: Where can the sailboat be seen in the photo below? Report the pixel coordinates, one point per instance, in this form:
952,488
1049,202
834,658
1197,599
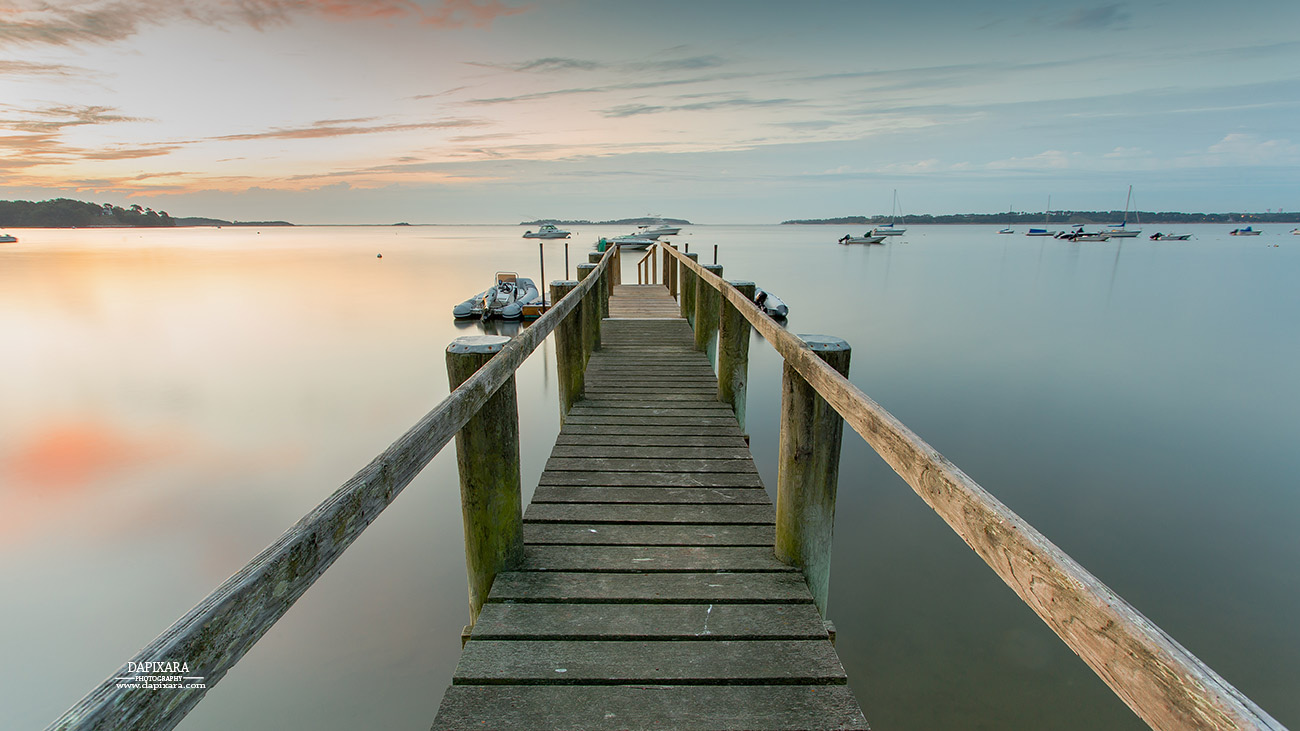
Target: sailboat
890,229
1118,230
1043,231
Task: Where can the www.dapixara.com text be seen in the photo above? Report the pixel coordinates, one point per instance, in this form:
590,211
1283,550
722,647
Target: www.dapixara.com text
159,676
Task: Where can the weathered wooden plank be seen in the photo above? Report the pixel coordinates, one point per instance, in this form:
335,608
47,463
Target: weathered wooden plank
506,621
697,495
1163,683
649,559
607,534
706,430
689,412
651,708
723,662
582,417
642,479
670,588
641,403
649,513
608,451
571,438
647,464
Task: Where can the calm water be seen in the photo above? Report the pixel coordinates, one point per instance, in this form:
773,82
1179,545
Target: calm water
173,400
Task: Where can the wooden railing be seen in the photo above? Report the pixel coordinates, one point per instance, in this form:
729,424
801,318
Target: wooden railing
1163,683
646,269
216,633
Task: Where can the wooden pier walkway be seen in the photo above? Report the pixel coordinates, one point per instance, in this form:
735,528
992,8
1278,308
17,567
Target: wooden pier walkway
649,596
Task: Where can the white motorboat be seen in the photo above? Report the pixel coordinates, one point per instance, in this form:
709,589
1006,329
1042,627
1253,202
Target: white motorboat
655,230
892,228
7,239
626,242
1169,237
506,299
1247,231
1007,230
1295,232
1078,234
866,238
770,304
547,231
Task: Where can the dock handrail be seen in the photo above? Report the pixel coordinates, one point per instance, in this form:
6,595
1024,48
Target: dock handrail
645,267
217,632
1160,680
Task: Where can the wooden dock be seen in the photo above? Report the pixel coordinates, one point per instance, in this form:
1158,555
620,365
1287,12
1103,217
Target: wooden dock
649,595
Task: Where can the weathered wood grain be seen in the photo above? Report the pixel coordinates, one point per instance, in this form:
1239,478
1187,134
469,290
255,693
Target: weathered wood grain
1163,683
724,662
716,514
506,621
651,440
650,559
608,451
648,464
712,495
602,534
651,708
648,429
665,479
667,588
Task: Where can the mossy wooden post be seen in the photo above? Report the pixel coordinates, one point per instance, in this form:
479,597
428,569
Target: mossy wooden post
487,456
606,286
590,315
617,264
671,279
708,307
733,354
808,467
667,267
568,350
688,290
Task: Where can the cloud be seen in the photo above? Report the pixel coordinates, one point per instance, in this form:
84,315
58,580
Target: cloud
53,119
67,22
626,86
345,127
1241,148
29,69
1098,18
556,64
631,110
1046,160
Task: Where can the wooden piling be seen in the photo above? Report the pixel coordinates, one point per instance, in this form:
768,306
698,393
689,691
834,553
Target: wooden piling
733,354
591,315
487,456
708,303
569,362
606,287
689,280
808,465
672,273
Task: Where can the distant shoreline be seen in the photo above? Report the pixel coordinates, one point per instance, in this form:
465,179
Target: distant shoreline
1057,218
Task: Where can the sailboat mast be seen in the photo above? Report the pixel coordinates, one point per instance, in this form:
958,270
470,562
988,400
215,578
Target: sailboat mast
1127,201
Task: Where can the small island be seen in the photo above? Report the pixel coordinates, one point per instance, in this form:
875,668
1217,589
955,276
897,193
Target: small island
68,213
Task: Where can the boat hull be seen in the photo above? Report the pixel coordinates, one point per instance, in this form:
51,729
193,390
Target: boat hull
862,240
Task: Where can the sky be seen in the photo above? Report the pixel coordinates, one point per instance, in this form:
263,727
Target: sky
718,111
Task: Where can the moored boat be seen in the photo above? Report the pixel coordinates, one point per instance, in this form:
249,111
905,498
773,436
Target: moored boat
625,242
7,239
866,238
1247,231
891,228
1007,230
506,299
1078,234
655,230
1120,230
770,304
1047,214
1169,237
547,231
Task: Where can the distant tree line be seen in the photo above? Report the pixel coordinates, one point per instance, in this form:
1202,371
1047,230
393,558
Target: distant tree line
1065,217
64,212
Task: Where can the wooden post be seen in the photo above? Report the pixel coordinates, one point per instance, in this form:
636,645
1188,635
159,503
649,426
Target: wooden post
733,354
708,303
590,315
605,287
569,363
808,466
688,291
668,266
617,264
487,456
672,274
